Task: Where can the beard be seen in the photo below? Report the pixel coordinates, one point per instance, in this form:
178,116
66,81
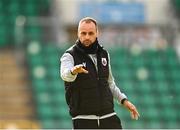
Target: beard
87,43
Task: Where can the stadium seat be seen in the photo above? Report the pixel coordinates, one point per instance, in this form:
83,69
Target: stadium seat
15,8
45,111
48,123
49,89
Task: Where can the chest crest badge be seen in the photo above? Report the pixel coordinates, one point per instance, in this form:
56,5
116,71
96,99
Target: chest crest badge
84,64
104,61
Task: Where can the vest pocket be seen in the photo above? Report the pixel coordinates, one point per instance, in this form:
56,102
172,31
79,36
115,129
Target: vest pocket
106,95
75,101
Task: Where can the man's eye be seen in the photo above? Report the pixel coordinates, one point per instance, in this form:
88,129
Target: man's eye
91,33
83,33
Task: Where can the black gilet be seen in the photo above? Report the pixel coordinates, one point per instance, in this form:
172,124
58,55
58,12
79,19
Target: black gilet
90,94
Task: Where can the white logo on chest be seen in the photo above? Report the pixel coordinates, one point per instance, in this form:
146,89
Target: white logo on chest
84,64
104,61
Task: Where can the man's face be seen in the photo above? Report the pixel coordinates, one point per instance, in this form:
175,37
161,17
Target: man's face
87,33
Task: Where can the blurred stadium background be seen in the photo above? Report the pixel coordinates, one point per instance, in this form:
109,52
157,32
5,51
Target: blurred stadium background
142,36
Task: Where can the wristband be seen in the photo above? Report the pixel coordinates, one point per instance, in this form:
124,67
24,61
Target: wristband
122,101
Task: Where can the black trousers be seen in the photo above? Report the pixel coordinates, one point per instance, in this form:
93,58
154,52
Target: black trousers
112,122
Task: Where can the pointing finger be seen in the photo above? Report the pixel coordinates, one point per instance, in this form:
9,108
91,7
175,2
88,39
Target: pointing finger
85,71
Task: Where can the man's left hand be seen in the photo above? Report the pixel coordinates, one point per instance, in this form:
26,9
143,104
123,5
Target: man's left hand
132,109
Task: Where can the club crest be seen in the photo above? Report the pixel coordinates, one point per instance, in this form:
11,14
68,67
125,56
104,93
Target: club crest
84,64
104,61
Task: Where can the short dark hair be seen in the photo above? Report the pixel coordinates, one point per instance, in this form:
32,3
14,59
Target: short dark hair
88,20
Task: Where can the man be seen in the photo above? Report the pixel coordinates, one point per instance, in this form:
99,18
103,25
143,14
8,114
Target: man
89,84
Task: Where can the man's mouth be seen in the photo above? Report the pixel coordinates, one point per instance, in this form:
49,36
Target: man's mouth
87,42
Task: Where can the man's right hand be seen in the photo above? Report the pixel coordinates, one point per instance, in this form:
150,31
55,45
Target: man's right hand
78,69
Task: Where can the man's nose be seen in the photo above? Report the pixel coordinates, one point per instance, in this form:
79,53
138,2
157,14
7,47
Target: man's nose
87,36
